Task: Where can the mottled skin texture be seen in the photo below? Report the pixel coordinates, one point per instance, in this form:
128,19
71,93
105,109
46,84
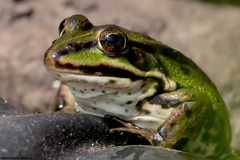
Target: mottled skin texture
199,121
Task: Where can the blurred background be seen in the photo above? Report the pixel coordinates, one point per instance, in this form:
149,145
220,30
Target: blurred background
207,31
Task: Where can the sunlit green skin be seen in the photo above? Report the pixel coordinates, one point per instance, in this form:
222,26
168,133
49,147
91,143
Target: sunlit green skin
200,122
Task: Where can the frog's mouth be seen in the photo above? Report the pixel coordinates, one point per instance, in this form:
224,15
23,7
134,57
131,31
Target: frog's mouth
100,70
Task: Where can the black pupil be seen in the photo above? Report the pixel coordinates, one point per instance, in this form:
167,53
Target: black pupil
112,38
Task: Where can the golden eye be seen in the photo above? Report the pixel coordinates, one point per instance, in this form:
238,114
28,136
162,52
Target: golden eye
112,42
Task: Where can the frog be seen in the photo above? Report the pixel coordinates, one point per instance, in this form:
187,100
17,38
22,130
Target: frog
156,91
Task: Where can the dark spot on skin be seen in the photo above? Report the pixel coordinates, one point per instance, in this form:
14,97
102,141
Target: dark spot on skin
128,102
185,70
112,81
179,145
197,150
129,93
218,100
209,123
94,108
83,81
146,112
172,124
85,89
81,91
188,113
58,75
92,89
126,110
142,86
205,136
140,108
103,91
73,88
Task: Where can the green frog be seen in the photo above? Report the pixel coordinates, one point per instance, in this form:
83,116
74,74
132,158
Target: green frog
156,91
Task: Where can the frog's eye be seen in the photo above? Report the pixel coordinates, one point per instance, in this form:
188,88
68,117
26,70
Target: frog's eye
61,27
112,42
74,23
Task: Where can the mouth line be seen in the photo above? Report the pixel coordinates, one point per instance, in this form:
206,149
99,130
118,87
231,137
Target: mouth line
100,71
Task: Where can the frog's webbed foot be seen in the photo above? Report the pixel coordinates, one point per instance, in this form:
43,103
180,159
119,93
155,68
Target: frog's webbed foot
147,134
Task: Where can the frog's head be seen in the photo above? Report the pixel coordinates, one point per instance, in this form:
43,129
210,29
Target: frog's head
106,50
106,60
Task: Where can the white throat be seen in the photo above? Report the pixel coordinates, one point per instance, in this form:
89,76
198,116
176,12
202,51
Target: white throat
107,95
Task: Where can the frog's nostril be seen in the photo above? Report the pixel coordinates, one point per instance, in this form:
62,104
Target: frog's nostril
57,54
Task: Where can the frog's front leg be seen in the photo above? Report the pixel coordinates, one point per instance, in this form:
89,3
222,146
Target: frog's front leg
193,126
63,101
192,118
